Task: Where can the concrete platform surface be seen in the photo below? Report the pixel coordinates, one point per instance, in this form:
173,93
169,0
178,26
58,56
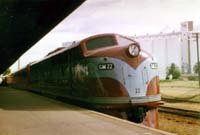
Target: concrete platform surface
26,113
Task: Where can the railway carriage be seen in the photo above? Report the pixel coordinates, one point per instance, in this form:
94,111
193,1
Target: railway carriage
105,71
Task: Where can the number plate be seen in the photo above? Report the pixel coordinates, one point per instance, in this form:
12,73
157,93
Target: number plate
106,66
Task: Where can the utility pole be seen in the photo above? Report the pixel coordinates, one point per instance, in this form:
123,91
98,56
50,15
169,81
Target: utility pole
189,59
198,63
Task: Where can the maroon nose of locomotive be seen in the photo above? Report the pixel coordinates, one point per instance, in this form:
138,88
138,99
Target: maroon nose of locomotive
142,76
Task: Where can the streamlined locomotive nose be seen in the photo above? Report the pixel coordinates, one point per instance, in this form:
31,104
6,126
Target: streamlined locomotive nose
142,82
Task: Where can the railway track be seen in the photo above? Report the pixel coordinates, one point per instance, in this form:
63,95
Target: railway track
178,111
174,100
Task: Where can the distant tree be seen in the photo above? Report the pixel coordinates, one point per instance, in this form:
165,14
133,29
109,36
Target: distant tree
8,71
196,68
174,71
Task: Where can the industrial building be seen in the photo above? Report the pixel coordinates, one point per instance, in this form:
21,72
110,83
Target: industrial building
175,47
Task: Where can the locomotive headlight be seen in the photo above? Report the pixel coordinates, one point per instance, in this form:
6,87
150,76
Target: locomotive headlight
133,50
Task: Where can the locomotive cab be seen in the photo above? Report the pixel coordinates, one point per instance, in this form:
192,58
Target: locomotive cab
123,74
121,59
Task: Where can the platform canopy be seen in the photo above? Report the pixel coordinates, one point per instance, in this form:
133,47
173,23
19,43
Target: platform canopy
24,22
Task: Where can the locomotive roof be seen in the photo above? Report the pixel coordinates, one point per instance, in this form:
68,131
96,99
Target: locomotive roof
74,44
51,54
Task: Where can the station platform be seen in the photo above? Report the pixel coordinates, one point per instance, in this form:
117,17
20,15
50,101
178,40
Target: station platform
26,113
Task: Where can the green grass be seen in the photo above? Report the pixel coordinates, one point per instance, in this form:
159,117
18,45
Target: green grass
181,89
163,81
195,99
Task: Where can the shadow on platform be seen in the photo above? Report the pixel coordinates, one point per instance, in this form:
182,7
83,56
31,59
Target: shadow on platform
12,99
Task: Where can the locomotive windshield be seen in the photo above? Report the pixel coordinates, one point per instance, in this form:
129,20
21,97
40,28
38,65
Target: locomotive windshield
100,42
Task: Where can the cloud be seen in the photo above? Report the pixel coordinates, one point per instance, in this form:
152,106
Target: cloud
128,16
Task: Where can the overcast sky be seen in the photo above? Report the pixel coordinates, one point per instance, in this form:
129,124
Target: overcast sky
127,17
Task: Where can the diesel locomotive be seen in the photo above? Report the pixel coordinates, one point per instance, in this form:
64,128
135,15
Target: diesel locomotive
105,71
